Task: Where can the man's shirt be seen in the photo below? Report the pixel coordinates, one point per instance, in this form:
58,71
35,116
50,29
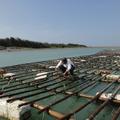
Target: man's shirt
68,65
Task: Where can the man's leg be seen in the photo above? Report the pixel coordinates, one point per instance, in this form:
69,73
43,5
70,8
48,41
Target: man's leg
62,68
71,70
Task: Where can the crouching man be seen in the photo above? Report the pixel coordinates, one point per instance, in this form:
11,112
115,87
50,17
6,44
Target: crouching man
65,65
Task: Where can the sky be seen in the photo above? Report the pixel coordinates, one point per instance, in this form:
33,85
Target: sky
87,22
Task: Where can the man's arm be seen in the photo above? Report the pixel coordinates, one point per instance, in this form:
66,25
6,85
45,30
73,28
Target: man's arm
58,66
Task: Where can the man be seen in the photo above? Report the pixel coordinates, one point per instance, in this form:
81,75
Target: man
65,65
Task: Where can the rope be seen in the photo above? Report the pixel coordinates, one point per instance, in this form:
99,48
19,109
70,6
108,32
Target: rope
64,87
11,78
43,115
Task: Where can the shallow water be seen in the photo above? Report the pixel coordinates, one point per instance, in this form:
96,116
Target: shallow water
20,57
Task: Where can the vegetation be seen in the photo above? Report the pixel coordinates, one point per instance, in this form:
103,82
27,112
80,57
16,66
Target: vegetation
17,42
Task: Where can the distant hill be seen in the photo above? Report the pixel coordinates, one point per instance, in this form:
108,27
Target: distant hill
17,42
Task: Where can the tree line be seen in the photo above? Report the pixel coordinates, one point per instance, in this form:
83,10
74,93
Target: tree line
17,42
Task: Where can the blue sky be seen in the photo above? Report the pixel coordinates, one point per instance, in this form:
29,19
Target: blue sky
88,22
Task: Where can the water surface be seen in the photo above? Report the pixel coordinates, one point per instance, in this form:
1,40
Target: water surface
20,57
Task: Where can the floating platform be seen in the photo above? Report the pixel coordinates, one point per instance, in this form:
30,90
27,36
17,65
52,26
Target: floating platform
37,85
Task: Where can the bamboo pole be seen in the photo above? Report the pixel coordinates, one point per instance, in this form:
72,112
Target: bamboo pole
117,113
91,97
51,112
109,81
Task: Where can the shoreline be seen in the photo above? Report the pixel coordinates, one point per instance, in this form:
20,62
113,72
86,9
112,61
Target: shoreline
28,49
9,49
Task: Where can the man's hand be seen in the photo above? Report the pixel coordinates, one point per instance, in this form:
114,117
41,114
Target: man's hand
56,70
65,73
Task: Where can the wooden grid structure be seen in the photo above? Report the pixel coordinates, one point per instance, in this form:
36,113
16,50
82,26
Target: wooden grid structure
90,70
